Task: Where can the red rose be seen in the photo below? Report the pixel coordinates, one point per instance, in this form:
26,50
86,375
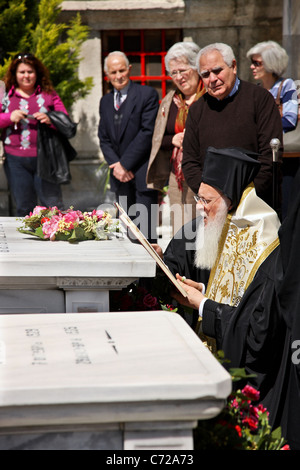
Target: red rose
251,392
149,301
252,423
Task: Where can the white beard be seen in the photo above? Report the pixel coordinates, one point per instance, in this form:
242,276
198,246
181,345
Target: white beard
207,239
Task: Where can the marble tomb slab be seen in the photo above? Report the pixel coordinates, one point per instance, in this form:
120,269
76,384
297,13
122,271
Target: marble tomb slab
81,274
26,256
143,377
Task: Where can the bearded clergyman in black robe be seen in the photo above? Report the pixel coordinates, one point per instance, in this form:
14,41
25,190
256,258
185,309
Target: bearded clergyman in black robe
234,233
260,330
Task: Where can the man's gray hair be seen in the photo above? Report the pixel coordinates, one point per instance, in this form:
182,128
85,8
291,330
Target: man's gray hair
186,49
225,51
274,57
117,53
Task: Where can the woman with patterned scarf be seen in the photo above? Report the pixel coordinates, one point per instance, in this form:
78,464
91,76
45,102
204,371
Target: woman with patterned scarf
166,154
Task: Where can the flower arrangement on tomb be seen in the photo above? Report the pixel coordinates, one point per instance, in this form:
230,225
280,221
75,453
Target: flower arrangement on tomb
50,223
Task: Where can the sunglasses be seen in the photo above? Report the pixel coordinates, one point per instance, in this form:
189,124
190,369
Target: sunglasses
23,55
256,63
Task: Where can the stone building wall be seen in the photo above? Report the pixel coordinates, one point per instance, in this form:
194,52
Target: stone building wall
239,23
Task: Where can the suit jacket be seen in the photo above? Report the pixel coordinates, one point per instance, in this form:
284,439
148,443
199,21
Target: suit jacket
131,145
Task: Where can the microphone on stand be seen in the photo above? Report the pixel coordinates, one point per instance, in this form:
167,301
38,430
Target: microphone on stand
275,144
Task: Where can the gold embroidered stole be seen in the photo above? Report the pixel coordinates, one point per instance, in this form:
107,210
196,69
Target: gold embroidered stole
250,234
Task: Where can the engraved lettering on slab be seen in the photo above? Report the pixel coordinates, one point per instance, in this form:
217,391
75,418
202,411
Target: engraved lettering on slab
75,345
111,342
78,346
3,243
71,330
32,332
38,354
81,355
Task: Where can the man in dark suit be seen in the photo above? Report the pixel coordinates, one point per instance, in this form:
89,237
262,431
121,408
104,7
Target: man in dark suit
127,117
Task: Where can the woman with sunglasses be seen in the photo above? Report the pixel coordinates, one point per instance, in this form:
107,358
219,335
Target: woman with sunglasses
29,96
269,61
166,154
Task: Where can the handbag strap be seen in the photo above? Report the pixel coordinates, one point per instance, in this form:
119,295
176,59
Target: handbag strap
277,100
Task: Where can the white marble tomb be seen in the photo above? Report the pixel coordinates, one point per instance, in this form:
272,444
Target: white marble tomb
131,381
40,276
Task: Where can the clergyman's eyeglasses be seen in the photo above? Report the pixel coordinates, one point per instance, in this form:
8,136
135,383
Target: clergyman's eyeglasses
205,202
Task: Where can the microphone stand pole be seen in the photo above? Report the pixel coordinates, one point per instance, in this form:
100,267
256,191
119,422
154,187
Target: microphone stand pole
274,144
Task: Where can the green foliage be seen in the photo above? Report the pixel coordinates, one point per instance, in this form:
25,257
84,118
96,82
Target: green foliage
103,173
12,25
32,25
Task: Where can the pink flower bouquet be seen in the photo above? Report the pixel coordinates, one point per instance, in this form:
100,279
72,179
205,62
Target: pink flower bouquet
50,223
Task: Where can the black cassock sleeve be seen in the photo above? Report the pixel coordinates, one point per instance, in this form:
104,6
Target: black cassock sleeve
253,335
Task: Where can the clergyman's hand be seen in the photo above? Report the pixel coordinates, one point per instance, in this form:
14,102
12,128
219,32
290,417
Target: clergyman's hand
194,291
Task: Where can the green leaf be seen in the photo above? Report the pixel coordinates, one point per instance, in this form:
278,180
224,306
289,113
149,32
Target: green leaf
36,233
78,235
103,172
276,434
39,233
239,373
62,236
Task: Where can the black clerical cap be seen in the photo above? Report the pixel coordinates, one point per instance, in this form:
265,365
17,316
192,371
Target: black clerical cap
230,170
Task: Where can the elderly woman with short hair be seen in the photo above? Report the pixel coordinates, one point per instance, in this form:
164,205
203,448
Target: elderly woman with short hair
269,61
166,155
